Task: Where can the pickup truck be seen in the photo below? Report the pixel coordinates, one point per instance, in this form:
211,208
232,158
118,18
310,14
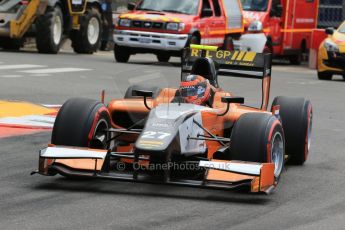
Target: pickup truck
165,29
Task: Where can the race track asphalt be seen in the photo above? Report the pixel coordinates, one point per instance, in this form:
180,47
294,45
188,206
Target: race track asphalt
308,197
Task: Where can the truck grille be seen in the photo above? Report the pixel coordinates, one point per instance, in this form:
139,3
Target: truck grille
148,24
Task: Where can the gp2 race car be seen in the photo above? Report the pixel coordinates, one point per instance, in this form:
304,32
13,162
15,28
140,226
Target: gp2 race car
150,136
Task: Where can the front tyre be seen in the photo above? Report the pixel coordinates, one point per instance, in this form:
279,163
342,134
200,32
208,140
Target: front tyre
80,122
121,54
87,39
297,119
324,76
11,44
49,30
163,57
259,137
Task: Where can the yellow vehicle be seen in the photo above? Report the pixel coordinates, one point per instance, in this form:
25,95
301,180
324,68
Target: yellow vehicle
331,59
50,22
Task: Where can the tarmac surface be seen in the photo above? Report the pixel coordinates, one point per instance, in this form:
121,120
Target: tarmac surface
311,196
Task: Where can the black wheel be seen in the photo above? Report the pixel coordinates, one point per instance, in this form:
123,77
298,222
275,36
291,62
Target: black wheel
258,137
87,39
344,76
324,76
297,119
121,54
49,30
11,44
163,57
228,43
155,89
81,122
296,59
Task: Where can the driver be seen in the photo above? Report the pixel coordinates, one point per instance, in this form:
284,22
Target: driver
195,89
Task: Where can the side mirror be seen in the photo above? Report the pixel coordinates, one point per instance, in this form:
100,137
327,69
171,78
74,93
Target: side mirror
130,6
329,31
276,11
207,12
143,93
228,100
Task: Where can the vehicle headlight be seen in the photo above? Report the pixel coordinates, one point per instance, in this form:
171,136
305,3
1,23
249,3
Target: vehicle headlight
255,26
331,46
125,22
175,26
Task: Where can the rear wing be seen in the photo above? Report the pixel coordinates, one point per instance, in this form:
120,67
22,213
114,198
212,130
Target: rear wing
234,64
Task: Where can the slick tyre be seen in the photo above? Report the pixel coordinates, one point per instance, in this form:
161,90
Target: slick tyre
259,137
129,93
297,117
80,122
49,30
121,54
87,39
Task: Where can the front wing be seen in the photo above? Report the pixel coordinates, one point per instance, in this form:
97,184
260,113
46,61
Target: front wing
219,174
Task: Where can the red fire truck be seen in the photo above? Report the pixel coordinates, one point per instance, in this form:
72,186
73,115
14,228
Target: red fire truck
287,25
165,27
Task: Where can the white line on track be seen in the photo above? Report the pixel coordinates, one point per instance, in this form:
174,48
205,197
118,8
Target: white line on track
23,66
11,76
53,70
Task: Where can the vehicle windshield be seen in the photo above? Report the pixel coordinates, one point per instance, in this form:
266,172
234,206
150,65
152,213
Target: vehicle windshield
254,5
177,6
342,29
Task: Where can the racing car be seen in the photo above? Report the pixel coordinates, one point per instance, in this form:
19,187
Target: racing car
150,136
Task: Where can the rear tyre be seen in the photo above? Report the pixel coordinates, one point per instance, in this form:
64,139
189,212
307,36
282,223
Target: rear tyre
324,76
297,117
121,54
11,44
258,137
163,57
155,89
79,122
49,31
87,40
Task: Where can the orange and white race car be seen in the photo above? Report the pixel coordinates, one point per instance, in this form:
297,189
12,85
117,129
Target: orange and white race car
152,136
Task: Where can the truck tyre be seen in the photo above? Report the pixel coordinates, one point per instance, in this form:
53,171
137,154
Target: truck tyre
296,59
49,30
87,39
80,121
121,54
11,44
297,118
163,57
228,43
324,76
155,89
258,137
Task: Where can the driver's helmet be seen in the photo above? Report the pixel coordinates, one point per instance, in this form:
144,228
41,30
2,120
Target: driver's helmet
195,89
